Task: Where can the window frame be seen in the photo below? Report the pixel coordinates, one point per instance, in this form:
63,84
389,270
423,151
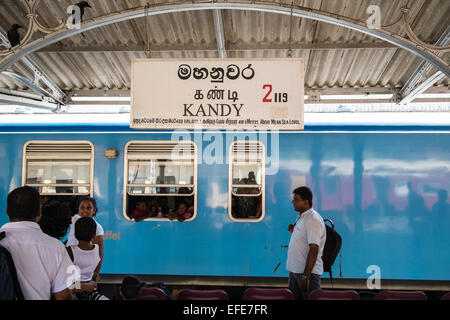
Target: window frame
55,155
232,185
126,184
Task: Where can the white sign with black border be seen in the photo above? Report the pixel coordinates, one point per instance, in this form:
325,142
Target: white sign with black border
223,94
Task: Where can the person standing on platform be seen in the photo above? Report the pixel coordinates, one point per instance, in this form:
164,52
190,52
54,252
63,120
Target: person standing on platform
86,256
304,258
88,208
42,263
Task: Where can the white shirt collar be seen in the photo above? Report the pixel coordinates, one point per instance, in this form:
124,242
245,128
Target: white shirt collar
302,215
21,225
306,213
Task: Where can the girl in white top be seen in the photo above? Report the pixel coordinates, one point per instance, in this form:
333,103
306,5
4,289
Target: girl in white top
86,257
88,208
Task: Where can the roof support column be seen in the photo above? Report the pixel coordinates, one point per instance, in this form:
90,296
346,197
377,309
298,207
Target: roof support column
218,26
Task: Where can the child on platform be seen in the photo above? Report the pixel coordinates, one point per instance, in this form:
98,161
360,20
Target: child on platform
87,207
86,257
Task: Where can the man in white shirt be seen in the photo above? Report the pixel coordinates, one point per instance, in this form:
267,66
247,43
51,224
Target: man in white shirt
42,263
304,261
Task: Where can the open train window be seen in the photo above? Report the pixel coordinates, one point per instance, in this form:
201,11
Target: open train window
160,180
246,181
59,170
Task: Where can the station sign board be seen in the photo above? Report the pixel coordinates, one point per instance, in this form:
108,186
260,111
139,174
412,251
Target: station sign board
225,94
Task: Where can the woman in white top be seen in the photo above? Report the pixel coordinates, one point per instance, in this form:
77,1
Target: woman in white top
88,208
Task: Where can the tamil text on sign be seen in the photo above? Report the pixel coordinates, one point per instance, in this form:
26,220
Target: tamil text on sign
226,94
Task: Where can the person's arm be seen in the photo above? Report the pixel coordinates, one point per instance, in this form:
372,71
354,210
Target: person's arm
147,215
66,294
291,228
313,234
99,241
66,275
311,259
95,276
139,219
310,262
85,287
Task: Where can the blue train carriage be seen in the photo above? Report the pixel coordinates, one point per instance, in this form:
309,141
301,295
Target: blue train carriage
385,187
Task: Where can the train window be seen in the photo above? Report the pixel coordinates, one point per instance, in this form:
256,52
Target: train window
160,180
247,180
59,168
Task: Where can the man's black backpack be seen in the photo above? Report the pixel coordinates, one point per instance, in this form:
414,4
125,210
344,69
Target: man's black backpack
332,247
9,285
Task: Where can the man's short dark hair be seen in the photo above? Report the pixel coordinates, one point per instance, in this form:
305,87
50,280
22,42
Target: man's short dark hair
85,229
131,285
23,204
305,193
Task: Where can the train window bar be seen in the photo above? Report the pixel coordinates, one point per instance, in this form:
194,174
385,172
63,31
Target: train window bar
246,201
160,172
59,168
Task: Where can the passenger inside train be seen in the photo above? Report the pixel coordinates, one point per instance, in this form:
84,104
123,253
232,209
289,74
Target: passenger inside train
152,205
247,199
176,207
181,214
141,211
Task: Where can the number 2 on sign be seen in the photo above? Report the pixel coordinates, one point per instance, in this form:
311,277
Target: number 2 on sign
279,97
269,86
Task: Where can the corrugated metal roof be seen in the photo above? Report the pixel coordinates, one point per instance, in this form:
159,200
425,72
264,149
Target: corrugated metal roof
335,57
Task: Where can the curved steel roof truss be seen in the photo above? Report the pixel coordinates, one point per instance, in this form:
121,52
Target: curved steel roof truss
63,32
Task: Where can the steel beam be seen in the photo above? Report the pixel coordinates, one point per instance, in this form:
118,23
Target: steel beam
26,102
32,85
218,26
314,96
271,7
4,39
230,47
39,74
409,91
115,93
57,94
422,87
23,94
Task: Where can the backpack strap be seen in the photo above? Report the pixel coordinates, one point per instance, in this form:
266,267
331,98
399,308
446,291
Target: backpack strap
15,280
330,221
17,290
70,252
298,218
332,229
